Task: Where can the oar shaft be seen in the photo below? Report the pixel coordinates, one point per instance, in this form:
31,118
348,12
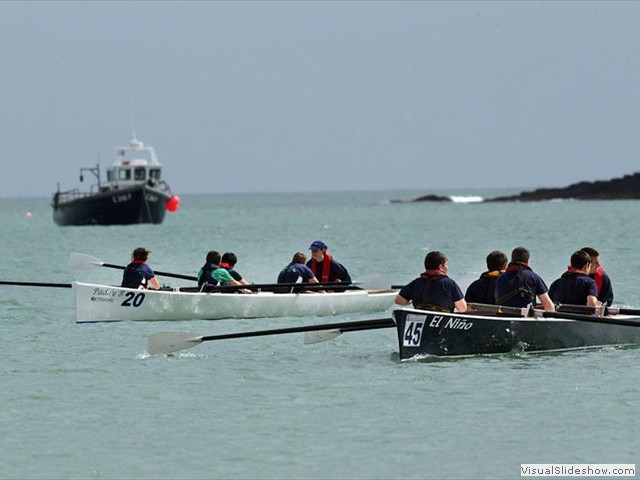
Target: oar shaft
175,275
591,318
36,284
389,324
363,324
157,272
591,310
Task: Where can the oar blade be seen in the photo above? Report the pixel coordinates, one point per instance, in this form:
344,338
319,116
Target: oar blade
163,343
319,336
81,261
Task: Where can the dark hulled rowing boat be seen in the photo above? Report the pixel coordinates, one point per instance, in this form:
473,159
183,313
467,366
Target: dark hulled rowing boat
424,333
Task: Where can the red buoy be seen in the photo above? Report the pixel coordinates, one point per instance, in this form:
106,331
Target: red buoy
173,203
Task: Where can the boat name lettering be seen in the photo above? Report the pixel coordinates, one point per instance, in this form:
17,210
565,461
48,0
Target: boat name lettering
452,322
150,197
106,292
458,324
121,198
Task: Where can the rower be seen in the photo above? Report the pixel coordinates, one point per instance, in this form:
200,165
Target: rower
212,273
138,274
433,289
575,287
518,286
483,289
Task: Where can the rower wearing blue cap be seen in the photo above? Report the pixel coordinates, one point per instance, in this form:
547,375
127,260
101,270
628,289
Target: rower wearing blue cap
324,267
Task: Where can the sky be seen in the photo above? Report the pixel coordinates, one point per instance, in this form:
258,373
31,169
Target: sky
310,96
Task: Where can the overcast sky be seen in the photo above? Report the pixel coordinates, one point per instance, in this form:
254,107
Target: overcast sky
312,96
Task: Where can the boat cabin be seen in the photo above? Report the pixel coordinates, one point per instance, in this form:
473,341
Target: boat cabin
134,164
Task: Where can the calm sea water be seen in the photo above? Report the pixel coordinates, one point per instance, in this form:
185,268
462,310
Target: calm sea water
86,401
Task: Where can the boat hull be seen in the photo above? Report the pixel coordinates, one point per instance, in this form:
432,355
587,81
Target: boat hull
99,303
126,206
423,333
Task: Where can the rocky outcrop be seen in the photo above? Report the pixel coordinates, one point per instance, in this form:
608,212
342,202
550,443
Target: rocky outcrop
625,188
426,198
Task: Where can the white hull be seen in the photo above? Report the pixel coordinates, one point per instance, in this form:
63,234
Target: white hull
102,303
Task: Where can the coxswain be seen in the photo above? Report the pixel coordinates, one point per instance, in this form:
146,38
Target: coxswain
324,267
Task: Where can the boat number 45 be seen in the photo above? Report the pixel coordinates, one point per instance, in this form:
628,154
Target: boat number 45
413,328
132,299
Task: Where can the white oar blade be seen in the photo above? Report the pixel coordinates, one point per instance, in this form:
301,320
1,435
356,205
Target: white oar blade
82,261
320,336
169,342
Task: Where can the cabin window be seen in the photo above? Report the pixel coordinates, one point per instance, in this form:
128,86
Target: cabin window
110,175
154,173
124,174
140,173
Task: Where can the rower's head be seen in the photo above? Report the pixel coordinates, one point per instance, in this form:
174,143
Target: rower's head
318,249
229,258
213,257
595,258
436,261
520,255
496,260
140,254
581,260
299,257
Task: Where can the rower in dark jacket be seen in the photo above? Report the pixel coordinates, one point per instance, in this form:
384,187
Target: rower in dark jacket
575,287
433,289
482,290
138,274
603,282
297,271
518,286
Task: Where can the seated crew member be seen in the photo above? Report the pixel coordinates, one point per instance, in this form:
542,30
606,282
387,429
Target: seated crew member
518,286
433,289
575,287
212,273
138,274
603,282
228,262
324,267
482,290
297,271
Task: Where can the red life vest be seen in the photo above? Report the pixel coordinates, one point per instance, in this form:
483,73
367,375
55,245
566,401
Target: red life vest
598,277
326,269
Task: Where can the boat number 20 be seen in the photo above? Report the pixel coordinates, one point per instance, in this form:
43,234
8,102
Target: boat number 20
413,328
133,299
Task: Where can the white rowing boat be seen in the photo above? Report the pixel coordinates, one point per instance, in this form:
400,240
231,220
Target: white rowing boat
103,303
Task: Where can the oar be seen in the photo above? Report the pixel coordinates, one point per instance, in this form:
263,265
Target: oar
318,336
82,260
587,318
563,307
36,284
168,342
